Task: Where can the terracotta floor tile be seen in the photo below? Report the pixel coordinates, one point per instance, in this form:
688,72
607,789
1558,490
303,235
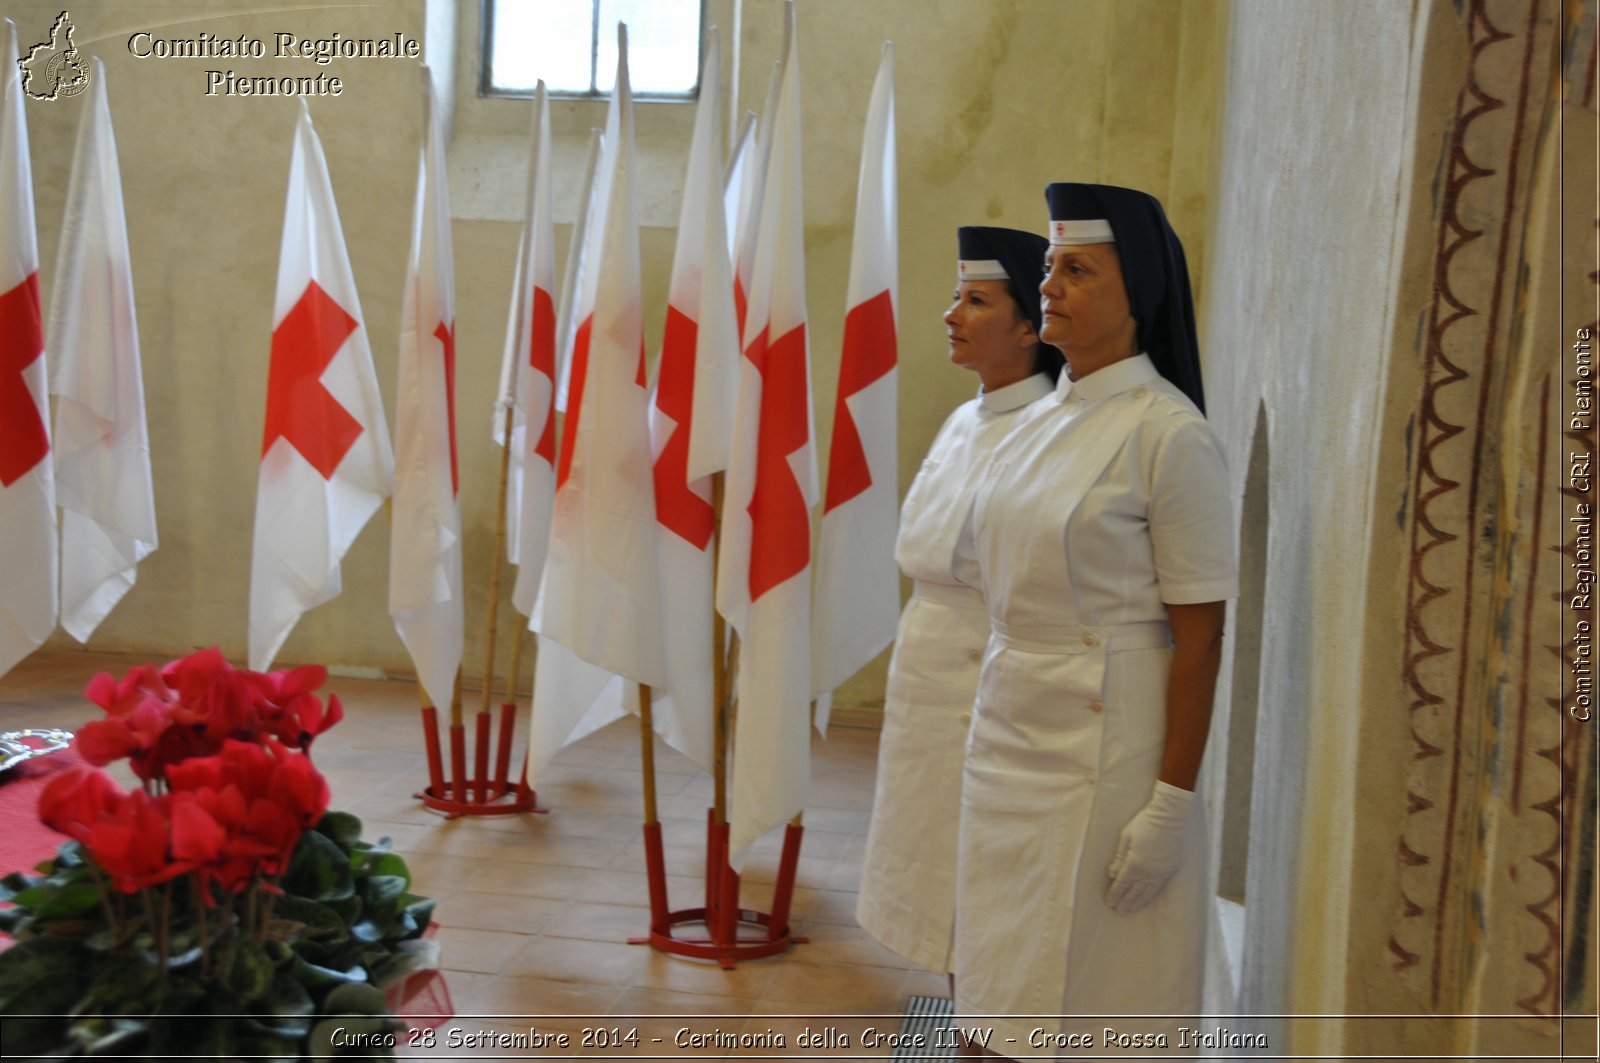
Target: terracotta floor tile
573,960
479,951
498,912
685,975
836,988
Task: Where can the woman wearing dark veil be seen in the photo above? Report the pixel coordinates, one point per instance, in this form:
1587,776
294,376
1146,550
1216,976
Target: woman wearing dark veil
908,878
1105,543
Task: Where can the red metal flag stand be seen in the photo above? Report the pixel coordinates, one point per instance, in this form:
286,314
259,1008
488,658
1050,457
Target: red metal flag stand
721,916
481,794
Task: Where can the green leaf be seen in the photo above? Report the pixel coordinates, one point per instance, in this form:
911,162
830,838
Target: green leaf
16,882
420,909
42,976
316,919
249,972
129,984
348,908
319,869
70,901
342,828
287,1006
311,974
356,998
98,1034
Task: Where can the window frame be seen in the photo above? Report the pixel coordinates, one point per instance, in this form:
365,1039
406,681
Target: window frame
488,90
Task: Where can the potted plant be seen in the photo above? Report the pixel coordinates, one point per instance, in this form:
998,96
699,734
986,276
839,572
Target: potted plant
218,908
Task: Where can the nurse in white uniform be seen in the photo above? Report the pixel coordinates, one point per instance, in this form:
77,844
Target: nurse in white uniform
907,898
1103,530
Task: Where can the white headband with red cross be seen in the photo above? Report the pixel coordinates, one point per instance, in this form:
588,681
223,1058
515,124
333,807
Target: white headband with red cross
1084,231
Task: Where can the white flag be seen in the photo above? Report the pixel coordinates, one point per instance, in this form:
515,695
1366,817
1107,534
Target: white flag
108,518
857,600
27,484
534,380
425,595
600,596
701,332
326,466
764,572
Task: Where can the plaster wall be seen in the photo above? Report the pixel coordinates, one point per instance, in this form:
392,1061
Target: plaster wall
1383,286
204,185
1296,325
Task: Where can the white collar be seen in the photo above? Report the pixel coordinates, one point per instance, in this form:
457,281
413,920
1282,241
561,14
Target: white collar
1015,396
1119,376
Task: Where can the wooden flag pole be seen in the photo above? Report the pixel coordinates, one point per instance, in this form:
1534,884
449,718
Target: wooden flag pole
654,858
496,559
480,793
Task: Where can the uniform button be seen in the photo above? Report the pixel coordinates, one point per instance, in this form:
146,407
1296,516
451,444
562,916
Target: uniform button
1097,706
1090,778
966,718
1088,639
1140,392
975,656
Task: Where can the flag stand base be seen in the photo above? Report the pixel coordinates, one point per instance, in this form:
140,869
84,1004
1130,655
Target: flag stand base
722,917
478,794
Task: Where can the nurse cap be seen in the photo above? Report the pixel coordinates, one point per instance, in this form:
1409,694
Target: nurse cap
1154,271
991,254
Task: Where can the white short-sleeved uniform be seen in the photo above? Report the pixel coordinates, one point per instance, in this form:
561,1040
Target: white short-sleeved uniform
908,877
1109,501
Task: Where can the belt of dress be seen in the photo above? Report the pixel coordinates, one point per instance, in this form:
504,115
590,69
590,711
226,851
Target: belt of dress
955,595
1072,638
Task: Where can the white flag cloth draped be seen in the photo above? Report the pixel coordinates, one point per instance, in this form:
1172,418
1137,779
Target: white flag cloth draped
701,334
326,466
764,572
856,606
27,484
600,596
753,180
572,274
425,590
534,368
102,446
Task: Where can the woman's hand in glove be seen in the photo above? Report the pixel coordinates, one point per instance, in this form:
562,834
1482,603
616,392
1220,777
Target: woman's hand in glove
1149,850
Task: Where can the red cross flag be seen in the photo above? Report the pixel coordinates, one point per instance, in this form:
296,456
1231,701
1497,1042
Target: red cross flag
533,377
700,348
27,486
325,460
752,177
857,598
425,596
108,507
764,572
601,591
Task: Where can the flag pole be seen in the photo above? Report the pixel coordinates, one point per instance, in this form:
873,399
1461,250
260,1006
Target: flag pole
655,865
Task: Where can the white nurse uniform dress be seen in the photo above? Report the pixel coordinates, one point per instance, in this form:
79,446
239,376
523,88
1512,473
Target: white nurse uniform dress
908,876
1108,502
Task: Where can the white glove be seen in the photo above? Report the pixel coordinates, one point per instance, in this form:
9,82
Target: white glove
1149,849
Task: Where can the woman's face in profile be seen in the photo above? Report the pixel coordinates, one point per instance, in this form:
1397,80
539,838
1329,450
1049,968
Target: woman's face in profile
988,333
1084,301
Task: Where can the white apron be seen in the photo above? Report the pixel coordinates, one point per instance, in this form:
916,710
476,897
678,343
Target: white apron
1065,747
908,875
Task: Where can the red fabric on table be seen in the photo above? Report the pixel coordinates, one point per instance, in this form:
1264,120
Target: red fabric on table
24,841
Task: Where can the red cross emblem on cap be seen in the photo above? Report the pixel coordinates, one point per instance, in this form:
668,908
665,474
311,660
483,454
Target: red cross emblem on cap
1061,228
962,266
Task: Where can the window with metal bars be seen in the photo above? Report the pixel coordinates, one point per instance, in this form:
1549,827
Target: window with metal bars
572,45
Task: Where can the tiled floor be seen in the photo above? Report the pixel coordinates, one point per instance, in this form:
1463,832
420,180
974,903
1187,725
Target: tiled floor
535,910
